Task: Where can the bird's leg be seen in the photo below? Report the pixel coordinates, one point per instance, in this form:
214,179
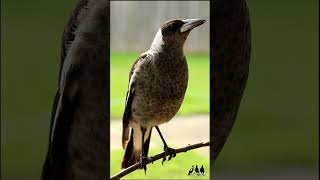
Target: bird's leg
167,150
143,157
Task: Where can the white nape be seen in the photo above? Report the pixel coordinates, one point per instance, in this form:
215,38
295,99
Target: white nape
157,42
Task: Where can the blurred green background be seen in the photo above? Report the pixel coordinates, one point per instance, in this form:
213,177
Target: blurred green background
277,124
30,50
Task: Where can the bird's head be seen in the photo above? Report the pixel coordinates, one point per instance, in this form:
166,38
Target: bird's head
175,32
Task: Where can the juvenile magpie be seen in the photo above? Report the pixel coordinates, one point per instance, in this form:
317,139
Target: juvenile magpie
157,83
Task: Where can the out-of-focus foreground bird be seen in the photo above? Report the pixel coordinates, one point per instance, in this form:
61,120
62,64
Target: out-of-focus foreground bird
157,83
230,57
79,132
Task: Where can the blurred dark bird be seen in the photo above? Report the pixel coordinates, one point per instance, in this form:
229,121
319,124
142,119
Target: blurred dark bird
190,171
202,170
230,54
157,83
79,132
196,170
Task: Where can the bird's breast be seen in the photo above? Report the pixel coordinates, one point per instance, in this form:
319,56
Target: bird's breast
159,92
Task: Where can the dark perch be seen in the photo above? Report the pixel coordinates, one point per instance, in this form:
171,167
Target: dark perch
230,58
157,157
79,132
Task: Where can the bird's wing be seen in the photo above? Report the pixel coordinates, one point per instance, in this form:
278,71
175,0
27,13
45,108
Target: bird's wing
69,63
129,98
67,38
61,111
69,30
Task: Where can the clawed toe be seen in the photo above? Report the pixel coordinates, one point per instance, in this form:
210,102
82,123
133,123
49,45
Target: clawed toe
164,159
168,152
143,161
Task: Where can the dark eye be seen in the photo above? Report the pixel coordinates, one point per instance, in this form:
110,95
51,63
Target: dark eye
172,28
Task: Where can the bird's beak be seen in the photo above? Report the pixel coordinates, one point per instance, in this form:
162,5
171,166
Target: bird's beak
191,23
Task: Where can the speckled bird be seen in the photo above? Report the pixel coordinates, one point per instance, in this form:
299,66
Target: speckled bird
158,81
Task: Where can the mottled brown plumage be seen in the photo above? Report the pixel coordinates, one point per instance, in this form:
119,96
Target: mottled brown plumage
230,55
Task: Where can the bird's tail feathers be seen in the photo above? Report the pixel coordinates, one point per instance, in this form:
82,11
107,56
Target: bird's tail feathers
125,136
132,155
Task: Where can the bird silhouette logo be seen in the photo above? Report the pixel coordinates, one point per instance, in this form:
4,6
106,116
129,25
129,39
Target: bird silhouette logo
190,171
202,170
194,170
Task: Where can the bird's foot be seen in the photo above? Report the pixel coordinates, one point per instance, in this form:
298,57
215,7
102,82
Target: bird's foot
143,162
168,152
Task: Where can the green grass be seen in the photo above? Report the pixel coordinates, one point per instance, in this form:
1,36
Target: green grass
177,168
197,95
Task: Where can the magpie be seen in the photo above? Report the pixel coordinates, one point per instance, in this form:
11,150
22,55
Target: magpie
158,81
